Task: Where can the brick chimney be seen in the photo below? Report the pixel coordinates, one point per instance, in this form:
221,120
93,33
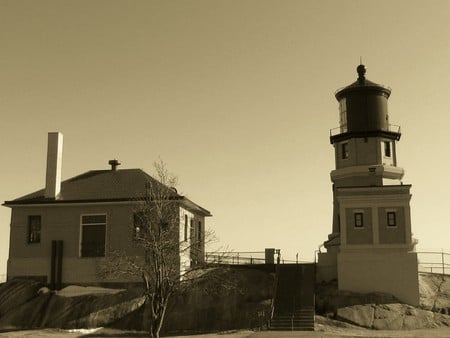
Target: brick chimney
54,164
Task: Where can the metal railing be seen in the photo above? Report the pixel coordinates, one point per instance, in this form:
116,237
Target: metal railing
344,129
236,258
434,262
246,257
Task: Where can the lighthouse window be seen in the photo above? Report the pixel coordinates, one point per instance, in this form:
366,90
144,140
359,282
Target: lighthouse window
359,219
391,221
343,115
387,149
344,149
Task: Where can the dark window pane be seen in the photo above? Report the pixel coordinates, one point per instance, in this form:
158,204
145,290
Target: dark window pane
34,229
344,150
199,233
391,221
185,227
359,220
93,241
387,149
139,224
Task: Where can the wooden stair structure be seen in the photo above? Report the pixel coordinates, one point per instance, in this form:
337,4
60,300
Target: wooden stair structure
293,306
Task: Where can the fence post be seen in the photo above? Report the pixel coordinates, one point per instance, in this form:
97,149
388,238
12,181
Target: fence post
443,262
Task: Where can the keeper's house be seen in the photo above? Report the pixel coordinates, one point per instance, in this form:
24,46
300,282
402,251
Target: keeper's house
61,234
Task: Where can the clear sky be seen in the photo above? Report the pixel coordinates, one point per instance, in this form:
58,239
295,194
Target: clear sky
237,97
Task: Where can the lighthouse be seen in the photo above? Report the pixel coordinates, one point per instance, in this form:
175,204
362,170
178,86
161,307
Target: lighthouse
370,248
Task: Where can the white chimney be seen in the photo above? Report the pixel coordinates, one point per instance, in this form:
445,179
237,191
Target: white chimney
54,163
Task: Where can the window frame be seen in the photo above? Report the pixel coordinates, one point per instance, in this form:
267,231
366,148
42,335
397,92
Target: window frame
199,231
186,219
358,219
387,149
82,225
344,151
137,235
30,231
388,219
343,115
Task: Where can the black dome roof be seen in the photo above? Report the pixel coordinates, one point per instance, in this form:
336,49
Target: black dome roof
362,85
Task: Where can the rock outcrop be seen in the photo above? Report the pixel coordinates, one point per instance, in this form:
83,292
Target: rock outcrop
435,292
234,298
391,317
22,306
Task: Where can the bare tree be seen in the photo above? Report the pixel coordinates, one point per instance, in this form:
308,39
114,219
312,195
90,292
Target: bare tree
156,234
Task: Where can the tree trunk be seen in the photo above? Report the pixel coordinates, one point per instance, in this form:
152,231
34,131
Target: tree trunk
155,315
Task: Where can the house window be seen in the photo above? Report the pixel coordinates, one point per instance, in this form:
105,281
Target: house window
34,229
185,227
359,219
199,232
93,234
344,148
391,219
138,224
192,230
387,149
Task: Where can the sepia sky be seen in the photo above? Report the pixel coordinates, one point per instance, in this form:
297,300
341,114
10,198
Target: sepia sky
237,97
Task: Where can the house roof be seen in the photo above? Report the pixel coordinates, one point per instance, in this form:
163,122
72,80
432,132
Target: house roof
106,186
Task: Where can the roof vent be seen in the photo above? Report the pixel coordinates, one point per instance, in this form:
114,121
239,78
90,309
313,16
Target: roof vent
114,163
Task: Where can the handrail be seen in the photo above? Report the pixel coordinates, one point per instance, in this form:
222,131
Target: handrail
434,252
236,258
439,264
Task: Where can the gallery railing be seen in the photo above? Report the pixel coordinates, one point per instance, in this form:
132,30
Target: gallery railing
343,129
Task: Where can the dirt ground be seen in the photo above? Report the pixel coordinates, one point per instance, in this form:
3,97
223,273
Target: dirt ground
328,332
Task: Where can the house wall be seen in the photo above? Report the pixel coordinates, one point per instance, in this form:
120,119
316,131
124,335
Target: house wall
63,222
192,251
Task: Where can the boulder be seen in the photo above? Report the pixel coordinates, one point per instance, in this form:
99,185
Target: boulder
361,315
388,317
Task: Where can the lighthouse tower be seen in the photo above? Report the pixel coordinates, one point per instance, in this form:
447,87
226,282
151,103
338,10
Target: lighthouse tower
370,248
